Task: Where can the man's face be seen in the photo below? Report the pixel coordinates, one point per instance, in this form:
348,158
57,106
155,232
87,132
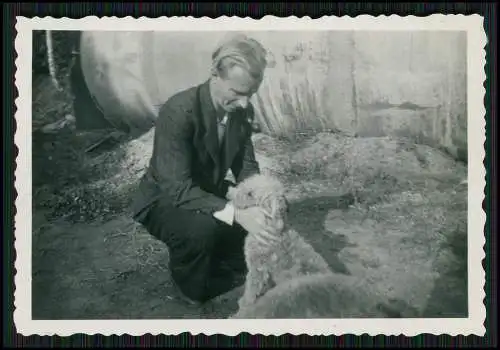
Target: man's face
236,89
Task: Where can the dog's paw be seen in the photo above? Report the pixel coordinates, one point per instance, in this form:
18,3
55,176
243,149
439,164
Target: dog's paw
245,303
231,191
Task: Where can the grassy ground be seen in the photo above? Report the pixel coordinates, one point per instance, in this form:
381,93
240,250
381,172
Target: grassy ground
387,210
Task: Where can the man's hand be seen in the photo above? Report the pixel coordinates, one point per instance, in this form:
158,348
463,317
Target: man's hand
253,219
230,192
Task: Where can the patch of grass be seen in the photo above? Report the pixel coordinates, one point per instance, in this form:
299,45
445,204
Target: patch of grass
107,270
63,174
63,171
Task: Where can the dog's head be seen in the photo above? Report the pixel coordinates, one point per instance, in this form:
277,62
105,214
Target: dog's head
266,192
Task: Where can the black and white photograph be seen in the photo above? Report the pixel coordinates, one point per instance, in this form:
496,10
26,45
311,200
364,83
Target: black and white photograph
271,176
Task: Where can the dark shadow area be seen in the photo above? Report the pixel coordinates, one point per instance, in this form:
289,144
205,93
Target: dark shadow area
308,218
398,308
62,170
60,159
449,297
87,113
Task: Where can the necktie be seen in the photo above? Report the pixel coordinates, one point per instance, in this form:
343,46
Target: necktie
221,128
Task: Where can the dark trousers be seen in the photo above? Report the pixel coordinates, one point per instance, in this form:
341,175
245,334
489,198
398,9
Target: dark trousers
206,255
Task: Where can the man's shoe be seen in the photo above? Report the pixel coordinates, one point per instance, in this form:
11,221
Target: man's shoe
189,301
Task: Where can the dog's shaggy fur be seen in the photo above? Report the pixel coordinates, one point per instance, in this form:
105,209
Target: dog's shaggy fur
323,296
272,261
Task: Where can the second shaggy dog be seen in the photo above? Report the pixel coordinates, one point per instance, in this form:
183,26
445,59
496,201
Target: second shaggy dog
324,296
284,257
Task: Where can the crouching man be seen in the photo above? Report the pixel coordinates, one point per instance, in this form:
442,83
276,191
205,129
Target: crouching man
182,199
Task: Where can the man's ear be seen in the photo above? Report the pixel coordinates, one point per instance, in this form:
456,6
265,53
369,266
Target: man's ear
214,72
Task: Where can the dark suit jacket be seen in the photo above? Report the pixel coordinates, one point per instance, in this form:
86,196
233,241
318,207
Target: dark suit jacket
187,165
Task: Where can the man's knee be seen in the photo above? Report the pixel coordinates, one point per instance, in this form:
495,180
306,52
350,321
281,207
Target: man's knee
191,235
168,222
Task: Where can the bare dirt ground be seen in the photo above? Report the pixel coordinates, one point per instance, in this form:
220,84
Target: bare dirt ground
388,210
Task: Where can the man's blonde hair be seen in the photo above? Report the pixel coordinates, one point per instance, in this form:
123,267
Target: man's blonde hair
242,51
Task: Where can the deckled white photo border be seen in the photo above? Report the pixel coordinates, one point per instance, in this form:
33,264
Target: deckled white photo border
476,59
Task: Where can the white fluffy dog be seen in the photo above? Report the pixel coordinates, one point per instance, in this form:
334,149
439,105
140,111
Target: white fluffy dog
275,261
322,296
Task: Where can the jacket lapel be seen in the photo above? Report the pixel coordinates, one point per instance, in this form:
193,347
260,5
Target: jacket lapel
209,117
222,157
